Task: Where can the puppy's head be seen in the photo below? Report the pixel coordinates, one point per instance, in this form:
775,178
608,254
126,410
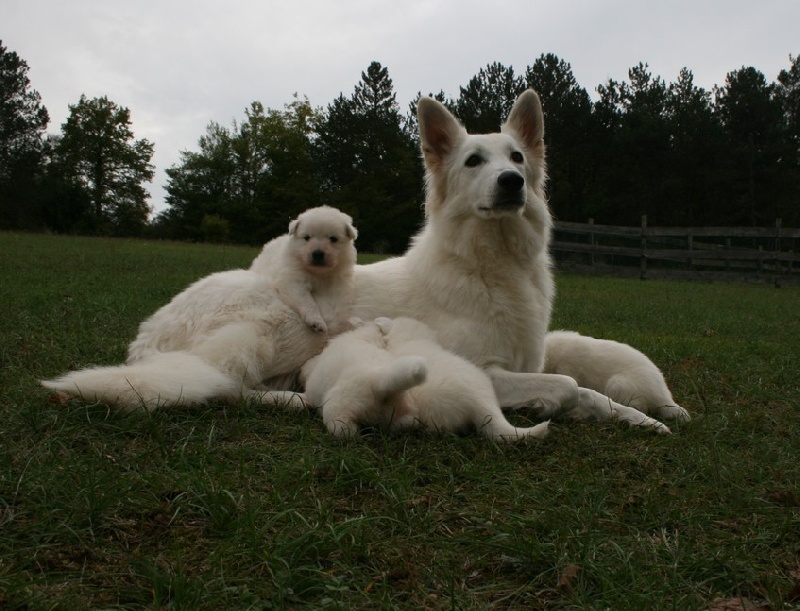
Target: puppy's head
492,175
322,239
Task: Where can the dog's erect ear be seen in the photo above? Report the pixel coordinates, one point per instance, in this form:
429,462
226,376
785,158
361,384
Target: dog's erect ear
439,131
526,121
293,225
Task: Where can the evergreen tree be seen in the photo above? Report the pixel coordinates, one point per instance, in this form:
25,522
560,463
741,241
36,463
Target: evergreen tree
692,181
488,97
632,119
568,135
23,120
788,91
751,113
369,165
97,153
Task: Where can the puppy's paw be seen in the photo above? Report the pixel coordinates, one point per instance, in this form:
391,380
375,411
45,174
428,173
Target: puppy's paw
317,324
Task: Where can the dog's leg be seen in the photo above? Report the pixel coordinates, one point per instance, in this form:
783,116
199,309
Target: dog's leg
559,396
301,301
492,423
283,398
593,405
548,394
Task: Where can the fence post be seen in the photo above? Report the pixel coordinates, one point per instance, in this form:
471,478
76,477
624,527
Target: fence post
591,241
778,270
727,247
643,257
690,239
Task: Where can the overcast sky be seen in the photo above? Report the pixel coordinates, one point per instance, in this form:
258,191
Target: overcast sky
179,64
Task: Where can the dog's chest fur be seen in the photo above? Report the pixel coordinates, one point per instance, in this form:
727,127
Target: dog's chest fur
492,292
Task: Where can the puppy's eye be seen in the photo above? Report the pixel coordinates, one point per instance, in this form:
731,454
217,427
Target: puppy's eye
473,160
333,239
517,157
306,237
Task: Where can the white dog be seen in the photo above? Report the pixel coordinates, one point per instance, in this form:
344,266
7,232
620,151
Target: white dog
312,267
392,373
224,335
618,370
479,272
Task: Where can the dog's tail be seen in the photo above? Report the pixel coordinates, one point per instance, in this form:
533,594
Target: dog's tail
162,379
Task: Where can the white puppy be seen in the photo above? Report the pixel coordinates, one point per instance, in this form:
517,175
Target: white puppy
618,370
392,373
228,335
312,267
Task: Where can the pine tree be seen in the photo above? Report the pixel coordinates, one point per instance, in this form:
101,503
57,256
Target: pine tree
23,120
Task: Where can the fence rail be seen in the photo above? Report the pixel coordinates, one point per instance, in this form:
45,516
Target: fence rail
749,254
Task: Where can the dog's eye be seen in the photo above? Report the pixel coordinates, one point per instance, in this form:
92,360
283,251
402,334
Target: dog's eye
517,157
306,237
473,161
333,239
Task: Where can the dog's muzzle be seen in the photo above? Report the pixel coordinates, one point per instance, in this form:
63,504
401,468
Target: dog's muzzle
510,192
318,257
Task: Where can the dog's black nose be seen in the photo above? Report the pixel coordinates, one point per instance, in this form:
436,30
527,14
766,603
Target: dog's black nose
510,181
318,257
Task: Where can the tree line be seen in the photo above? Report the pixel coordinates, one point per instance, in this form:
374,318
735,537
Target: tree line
679,153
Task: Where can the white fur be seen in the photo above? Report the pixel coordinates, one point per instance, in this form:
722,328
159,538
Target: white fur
479,272
229,334
617,370
393,373
312,267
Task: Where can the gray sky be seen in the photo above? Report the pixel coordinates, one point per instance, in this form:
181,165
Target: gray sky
179,64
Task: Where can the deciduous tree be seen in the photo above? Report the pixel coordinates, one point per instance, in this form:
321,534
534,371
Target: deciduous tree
97,153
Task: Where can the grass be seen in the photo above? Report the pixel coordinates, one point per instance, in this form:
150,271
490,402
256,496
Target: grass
241,507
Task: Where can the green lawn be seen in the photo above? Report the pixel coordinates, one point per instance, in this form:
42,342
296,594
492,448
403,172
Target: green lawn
220,507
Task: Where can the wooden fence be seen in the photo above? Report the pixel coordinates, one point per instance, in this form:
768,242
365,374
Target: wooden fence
749,254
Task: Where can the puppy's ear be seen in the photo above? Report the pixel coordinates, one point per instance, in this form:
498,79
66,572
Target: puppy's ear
526,122
439,131
293,225
349,230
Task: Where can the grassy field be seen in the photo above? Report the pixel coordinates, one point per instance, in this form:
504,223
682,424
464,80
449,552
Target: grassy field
220,507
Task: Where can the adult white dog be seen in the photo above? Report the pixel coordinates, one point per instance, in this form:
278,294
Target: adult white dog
227,333
394,374
479,272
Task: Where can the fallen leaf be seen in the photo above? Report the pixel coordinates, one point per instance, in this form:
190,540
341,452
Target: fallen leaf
568,576
734,604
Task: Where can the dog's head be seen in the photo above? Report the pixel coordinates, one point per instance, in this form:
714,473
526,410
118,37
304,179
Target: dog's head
497,175
323,239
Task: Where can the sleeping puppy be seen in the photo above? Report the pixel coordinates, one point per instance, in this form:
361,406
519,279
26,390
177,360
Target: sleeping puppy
312,267
617,370
393,374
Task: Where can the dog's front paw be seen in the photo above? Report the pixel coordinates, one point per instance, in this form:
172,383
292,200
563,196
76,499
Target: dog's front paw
317,324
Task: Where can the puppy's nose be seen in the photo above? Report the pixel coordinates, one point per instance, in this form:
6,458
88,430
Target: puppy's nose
510,181
318,257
